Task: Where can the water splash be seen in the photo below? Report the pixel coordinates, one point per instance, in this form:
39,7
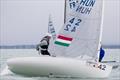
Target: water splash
5,71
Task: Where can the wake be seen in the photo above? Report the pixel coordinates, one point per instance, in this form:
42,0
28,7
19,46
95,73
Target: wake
5,72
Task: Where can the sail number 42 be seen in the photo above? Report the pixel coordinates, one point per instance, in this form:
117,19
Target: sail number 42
72,24
100,66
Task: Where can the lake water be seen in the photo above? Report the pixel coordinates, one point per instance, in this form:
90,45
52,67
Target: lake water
111,54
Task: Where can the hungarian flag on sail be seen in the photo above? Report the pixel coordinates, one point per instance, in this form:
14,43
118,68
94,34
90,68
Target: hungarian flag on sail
63,40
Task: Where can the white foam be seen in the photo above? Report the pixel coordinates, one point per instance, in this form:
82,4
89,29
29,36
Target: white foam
5,71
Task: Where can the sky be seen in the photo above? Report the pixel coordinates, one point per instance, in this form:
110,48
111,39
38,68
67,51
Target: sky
26,21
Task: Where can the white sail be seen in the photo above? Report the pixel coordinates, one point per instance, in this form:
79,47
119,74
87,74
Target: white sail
81,30
51,28
70,6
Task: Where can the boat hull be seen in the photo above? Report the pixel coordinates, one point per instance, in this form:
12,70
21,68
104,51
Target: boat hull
57,67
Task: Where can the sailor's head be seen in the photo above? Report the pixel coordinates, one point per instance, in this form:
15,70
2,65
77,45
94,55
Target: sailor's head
43,43
48,35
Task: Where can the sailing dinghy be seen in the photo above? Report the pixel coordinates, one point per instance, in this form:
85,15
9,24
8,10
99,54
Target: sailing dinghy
76,46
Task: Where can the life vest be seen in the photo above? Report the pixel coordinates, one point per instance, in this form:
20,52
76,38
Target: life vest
43,45
45,39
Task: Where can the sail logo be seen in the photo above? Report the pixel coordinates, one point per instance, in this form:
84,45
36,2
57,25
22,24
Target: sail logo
85,6
63,40
72,3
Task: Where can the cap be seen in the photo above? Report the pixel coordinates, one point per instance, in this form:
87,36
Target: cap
48,34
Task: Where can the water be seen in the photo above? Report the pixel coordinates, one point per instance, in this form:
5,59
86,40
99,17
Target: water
111,54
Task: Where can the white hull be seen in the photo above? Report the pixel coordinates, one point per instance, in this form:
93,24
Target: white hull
57,66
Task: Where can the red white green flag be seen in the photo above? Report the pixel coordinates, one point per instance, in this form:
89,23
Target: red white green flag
63,40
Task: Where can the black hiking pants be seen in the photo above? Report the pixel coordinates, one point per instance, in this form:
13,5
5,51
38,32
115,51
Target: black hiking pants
45,52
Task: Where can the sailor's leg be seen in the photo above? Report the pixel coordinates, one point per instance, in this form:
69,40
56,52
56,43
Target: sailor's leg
45,52
100,58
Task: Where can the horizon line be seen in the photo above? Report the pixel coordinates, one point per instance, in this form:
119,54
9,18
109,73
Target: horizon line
33,46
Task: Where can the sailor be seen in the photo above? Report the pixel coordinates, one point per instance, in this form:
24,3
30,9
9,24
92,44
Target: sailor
102,53
42,47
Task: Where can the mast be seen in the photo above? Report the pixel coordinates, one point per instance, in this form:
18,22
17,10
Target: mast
101,31
65,10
